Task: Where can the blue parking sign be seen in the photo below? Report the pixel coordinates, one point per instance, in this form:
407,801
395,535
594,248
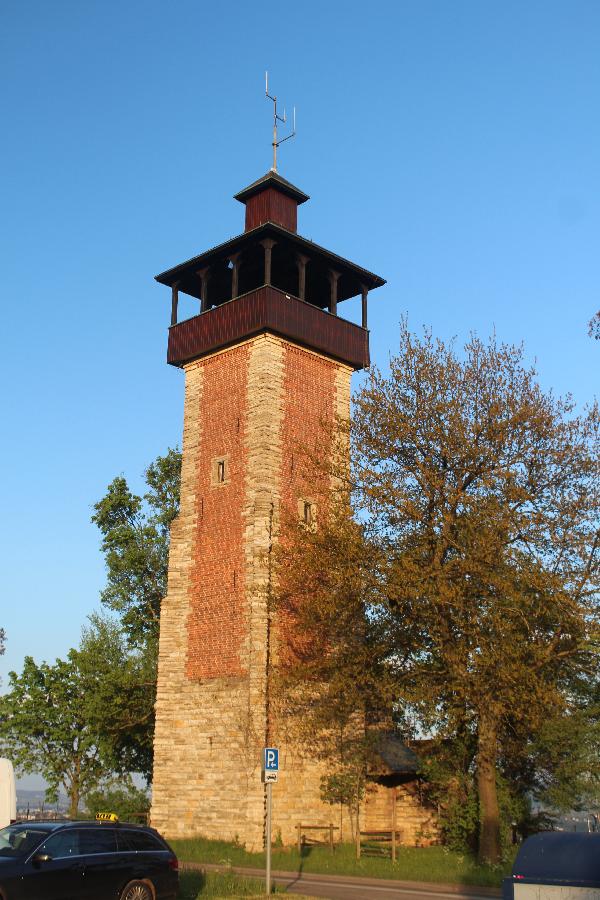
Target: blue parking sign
271,759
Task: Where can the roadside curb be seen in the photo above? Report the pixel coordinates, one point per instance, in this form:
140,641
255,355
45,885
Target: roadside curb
433,887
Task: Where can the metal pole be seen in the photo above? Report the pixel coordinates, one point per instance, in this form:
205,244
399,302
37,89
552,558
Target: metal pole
394,802
268,836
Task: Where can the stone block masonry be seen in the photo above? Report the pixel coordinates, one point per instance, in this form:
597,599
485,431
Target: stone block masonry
248,412
416,822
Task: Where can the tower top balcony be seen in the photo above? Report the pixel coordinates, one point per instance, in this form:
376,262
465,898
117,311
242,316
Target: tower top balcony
269,254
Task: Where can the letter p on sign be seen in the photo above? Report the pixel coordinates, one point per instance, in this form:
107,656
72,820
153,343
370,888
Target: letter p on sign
271,759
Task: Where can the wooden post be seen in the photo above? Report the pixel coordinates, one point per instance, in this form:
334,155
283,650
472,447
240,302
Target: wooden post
365,292
394,824
268,244
299,827
334,277
174,302
331,836
357,831
203,275
301,261
235,261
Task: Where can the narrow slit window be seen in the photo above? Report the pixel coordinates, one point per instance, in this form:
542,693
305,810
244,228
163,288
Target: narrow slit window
219,471
308,513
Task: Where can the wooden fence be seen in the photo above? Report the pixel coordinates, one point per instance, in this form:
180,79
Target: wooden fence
304,841
387,841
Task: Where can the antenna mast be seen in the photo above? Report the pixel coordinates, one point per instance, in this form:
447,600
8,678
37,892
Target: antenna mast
277,118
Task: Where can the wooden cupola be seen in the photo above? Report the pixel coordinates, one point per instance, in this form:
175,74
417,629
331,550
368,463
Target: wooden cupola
269,278
272,199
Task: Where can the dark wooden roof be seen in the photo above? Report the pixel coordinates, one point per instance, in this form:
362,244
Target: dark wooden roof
272,179
288,244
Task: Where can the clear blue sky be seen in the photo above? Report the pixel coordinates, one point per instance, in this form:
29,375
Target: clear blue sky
452,147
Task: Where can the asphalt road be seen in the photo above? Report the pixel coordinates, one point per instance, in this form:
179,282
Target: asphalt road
370,889
339,887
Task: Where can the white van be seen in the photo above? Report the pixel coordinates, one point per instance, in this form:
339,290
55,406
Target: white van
8,793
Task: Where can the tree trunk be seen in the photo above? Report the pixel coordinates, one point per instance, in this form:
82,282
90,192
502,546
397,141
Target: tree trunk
489,814
74,791
73,801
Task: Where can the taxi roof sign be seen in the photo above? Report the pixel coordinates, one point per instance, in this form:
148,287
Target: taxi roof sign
106,817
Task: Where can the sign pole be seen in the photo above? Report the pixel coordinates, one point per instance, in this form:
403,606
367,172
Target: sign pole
270,771
268,874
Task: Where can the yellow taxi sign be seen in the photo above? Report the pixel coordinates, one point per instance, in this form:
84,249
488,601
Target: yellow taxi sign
106,817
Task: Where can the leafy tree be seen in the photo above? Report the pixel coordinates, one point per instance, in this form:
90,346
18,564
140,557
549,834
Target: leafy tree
135,542
81,720
84,718
594,326
120,797
558,764
480,495
2,639
120,684
330,677
45,728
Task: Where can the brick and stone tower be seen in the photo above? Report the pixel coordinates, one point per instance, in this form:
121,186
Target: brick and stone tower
266,359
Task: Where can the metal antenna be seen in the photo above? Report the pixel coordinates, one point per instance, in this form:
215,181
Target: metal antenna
277,118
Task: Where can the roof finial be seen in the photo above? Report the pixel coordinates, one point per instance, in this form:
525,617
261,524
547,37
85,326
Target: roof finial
277,118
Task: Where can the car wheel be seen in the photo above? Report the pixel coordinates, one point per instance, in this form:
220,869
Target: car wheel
137,890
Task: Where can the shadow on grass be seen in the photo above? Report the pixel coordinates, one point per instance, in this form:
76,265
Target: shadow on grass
191,884
305,852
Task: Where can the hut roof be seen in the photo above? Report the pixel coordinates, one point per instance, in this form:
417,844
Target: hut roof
396,756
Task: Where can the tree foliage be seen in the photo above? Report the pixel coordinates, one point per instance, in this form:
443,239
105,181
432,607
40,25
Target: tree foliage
135,543
330,675
120,797
121,685
90,717
478,495
84,719
594,326
45,728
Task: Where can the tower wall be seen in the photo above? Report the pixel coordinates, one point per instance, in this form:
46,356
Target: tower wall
253,407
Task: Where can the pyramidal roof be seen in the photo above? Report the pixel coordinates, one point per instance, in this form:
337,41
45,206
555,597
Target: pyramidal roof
272,180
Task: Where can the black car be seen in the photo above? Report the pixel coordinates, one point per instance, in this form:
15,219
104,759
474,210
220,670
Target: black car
85,861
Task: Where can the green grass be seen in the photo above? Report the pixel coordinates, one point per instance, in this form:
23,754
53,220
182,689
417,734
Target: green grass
412,864
197,886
